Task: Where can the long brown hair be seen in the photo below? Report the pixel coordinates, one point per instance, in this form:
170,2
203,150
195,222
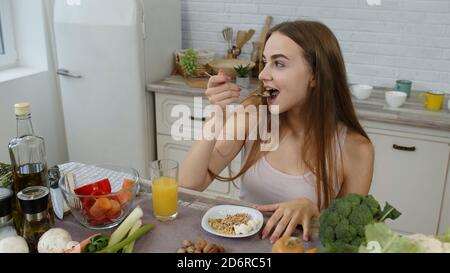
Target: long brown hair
327,103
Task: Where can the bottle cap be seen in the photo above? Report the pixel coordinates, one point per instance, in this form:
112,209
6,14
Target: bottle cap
5,202
22,109
33,199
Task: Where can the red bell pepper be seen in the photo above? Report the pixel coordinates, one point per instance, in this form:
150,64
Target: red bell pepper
97,188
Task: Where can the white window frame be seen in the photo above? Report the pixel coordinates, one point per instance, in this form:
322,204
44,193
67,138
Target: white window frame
9,58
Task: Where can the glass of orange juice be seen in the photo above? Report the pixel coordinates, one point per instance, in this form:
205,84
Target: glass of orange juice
164,176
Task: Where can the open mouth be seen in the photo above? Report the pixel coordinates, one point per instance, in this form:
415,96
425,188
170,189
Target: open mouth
271,94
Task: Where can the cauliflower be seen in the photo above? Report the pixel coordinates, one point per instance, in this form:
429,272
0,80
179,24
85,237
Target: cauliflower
392,242
342,224
14,244
374,247
428,244
446,247
55,240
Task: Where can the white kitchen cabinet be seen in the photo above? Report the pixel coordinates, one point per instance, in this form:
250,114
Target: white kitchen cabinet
410,173
170,148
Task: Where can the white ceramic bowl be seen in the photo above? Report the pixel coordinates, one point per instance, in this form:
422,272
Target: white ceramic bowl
361,91
395,98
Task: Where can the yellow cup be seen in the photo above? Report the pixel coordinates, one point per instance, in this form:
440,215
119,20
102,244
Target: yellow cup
164,176
433,100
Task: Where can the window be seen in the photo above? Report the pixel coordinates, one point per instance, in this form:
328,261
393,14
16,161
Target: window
8,54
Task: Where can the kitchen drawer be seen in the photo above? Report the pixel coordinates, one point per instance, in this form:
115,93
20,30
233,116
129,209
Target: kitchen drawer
177,150
191,123
410,176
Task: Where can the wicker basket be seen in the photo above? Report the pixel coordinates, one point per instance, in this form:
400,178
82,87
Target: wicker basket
203,58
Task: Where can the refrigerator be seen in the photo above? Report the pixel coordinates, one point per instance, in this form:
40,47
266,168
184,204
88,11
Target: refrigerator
107,51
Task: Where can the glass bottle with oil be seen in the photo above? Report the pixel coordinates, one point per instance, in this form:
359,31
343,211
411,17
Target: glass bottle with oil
34,202
27,154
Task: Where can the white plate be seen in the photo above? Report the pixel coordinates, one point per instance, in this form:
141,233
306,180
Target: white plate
223,210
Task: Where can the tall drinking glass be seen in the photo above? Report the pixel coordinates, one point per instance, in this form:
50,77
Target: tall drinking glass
164,177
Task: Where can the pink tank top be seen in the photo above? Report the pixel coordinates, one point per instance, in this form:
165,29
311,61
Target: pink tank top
263,184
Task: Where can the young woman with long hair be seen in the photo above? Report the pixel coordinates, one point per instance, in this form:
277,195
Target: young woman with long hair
323,152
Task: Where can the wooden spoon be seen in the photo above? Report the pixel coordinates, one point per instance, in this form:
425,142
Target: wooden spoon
249,35
241,38
262,39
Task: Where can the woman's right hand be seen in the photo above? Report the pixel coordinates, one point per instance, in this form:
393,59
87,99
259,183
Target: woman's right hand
221,91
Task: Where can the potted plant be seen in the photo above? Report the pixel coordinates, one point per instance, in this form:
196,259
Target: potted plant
243,75
188,62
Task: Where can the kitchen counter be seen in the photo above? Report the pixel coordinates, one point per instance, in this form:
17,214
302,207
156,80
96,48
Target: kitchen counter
412,113
167,237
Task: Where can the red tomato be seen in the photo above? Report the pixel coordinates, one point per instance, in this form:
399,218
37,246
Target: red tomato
87,202
97,188
115,211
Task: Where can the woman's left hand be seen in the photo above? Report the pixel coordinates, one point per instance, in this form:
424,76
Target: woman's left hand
287,216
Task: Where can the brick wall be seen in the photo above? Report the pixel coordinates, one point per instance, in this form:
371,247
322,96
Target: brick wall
407,39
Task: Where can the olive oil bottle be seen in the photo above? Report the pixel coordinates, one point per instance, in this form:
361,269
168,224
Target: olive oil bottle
27,154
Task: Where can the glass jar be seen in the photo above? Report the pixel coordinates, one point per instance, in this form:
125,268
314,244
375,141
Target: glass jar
36,219
7,228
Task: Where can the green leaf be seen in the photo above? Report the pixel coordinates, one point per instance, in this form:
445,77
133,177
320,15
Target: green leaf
403,245
389,212
445,238
379,232
242,70
6,176
389,241
96,244
189,61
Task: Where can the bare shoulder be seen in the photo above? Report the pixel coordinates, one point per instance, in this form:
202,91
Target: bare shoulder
357,147
358,157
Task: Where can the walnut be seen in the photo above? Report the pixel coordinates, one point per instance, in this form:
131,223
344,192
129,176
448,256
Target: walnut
190,249
181,250
187,243
210,248
200,244
220,249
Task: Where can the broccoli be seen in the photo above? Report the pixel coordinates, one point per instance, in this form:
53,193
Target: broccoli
342,224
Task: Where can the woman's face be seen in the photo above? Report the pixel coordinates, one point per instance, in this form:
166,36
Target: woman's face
286,73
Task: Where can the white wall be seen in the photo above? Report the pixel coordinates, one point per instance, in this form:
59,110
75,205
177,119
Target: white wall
40,88
400,39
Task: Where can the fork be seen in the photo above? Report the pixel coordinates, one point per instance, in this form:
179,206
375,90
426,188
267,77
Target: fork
253,92
262,95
